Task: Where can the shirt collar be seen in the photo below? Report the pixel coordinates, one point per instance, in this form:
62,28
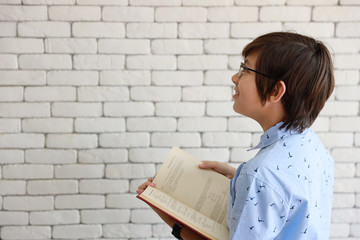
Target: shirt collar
273,135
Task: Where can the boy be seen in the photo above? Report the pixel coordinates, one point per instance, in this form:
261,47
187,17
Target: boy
285,191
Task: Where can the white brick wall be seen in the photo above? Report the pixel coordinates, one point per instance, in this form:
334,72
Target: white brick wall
93,93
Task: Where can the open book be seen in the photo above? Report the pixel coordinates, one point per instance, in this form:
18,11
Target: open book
195,197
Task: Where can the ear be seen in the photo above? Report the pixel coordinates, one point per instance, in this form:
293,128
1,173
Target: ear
277,93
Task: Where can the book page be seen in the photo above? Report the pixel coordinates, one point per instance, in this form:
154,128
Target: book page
205,191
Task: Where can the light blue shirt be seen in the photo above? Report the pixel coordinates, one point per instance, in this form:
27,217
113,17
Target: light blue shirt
285,191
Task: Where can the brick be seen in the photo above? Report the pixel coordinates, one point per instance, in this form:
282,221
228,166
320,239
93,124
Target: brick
343,200
49,94
331,139
259,2
124,46
129,109
153,62
8,29
127,78
11,156
27,171
343,45
223,109
151,124
99,62
339,230
74,78
336,13
12,187
243,124
44,29
8,61
180,14
177,46
10,125
93,125
124,140
47,125
13,218
357,139
233,14
347,61
176,139
103,156
79,202
202,124
98,29
70,45
22,140
345,215
26,232
103,186
225,46
348,29
54,217
226,139
74,13
345,170
161,230
21,45
79,171
177,78
343,124
350,2
133,171
340,108
124,201
180,109
45,61
145,216
151,30
24,110
105,216
207,93
314,29
77,231
97,94
346,77
321,124
11,94
204,30
102,2
288,13
347,185
210,154
76,109
23,13
52,156
354,230
127,230
254,29
202,62
155,3
309,2
158,94
218,78
28,203
207,3
49,2
148,155
348,93
71,141
128,14
52,187
346,155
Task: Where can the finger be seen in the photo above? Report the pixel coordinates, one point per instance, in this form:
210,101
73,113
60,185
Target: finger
208,164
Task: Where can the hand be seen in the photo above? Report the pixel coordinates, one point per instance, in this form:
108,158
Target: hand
143,186
220,167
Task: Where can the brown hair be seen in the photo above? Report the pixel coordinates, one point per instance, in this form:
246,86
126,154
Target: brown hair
305,66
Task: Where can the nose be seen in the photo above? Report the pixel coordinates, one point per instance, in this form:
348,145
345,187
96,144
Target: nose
235,78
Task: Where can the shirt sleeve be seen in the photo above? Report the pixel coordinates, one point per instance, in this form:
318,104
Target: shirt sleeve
257,211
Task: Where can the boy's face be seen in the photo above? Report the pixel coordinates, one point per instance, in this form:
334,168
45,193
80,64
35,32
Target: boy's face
246,98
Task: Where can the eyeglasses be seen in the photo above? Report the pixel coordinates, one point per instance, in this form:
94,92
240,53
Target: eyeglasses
243,68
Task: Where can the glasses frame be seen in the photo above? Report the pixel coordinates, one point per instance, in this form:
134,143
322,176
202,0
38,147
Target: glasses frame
242,65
